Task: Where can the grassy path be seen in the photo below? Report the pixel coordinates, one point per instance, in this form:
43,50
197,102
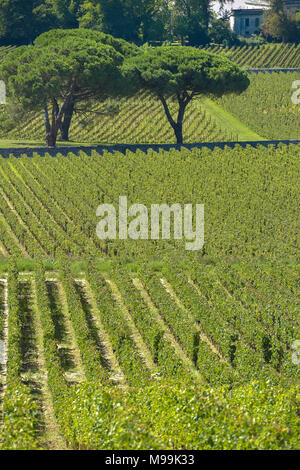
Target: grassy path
230,122
51,437
203,336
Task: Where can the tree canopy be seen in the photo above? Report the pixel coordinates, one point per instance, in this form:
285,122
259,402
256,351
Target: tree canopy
22,21
182,73
138,21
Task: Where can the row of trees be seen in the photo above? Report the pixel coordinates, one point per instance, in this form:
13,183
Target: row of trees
67,67
138,21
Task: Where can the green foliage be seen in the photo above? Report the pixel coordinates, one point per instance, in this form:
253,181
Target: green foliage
279,25
171,416
20,411
221,33
112,318
91,356
137,20
101,418
35,74
65,71
231,303
2,310
243,220
14,354
164,357
14,14
63,68
261,56
176,70
38,16
267,106
20,420
90,15
191,19
55,373
140,119
232,323
183,73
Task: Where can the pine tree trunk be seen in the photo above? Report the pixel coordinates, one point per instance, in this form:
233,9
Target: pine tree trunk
178,133
65,125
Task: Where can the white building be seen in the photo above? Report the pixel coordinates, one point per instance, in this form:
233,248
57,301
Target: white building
246,21
292,6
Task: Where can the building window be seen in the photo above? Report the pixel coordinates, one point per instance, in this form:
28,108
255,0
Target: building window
247,22
256,22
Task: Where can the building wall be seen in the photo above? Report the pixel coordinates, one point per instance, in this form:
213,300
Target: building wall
246,24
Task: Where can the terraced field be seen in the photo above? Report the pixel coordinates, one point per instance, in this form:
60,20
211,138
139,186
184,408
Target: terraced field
48,205
4,50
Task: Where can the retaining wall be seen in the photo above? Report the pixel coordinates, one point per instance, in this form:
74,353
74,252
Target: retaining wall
42,151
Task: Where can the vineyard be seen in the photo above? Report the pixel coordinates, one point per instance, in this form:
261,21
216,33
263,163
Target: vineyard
4,50
77,348
96,350
267,107
135,120
139,343
142,119
263,56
